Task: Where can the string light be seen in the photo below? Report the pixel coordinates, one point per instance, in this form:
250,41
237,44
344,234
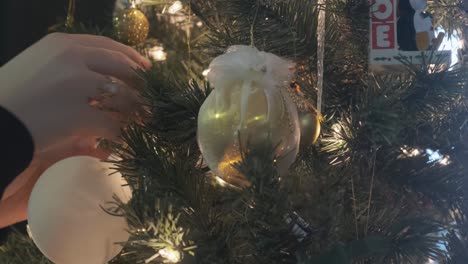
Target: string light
221,182
175,7
205,72
437,157
157,53
410,152
336,128
433,156
28,229
444,161
171,255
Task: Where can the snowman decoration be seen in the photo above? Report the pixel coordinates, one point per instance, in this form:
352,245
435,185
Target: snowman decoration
400,30
415,31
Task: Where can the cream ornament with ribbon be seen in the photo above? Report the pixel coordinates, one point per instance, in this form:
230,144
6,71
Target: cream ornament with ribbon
249,107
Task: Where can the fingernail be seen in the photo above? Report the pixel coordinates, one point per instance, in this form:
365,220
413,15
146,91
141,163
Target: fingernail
87,144
112,88
146,63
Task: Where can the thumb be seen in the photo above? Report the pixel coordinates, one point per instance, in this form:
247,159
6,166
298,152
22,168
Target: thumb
89,147
86,146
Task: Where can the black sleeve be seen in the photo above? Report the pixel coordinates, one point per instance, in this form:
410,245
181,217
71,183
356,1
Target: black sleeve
16,148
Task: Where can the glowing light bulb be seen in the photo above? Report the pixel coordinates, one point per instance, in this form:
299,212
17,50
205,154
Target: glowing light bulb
157,53
410,152
444,161
171,255
175,7
205,72
415,152
336,128
221,182
28,229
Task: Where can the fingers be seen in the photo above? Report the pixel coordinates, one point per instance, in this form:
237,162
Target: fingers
14,203
91,119
107,43
21,180
100,124
89,147
14,206
111,63
13,209
103,106
110,95
99,153
75,146
123,100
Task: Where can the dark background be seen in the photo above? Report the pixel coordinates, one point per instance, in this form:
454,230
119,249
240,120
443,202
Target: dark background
23,22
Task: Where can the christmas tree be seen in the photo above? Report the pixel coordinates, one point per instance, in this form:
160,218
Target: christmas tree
384,182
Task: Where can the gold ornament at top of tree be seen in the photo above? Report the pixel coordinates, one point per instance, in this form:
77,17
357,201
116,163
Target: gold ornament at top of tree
131,26
309,119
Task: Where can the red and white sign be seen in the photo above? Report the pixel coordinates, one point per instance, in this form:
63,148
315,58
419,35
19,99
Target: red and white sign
383,21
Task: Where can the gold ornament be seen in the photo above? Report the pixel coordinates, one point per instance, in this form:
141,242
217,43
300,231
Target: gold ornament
310,127
309,119
249,108
131,26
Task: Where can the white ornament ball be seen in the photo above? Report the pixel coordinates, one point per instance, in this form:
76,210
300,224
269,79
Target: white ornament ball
65,216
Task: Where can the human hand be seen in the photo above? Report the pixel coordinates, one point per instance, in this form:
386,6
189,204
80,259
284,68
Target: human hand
14,202
57,88
54,84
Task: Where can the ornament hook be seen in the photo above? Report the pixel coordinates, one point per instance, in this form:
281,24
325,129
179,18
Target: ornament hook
70,14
